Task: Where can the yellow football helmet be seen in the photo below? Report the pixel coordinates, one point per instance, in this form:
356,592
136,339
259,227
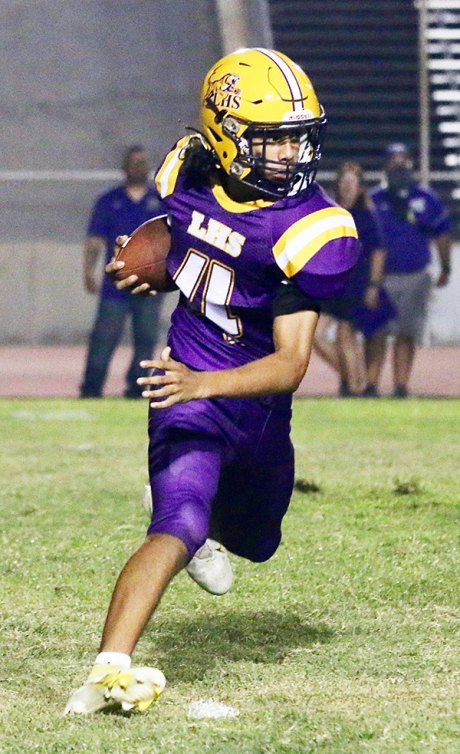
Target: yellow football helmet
254,96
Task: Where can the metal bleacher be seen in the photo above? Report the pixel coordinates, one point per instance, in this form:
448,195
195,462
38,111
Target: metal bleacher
363,58
443,55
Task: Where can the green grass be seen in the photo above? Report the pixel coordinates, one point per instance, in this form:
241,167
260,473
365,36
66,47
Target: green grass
345,642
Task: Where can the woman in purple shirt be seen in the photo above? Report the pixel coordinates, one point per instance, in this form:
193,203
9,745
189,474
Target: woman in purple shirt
363,306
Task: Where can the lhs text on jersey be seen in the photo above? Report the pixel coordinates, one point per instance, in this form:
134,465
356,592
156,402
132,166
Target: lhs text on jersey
216,233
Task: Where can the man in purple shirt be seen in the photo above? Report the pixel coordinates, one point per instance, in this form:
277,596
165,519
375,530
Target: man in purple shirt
255,246
411,217
120,210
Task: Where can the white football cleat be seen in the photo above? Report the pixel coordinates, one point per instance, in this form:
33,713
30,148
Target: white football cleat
109,685
87,699
147,502
140,690
210,567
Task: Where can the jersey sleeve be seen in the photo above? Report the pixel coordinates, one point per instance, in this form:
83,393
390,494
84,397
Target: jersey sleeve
319,251
289,299
168,172
437,219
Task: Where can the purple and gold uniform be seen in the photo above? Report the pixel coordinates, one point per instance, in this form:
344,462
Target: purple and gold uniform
228,259
224,467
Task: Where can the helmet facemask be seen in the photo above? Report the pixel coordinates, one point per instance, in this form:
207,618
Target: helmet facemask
254,166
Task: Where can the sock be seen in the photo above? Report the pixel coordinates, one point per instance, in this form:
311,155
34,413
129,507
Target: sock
114,658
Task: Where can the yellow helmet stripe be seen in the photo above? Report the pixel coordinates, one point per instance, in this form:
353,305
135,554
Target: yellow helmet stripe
167,175
307,236
288,73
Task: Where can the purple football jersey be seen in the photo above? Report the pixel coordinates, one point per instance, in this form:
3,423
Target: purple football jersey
229,258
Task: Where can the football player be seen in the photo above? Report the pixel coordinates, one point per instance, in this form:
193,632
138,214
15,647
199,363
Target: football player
256,244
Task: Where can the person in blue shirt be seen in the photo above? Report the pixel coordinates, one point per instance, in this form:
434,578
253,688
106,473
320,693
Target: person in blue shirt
116,212
412,217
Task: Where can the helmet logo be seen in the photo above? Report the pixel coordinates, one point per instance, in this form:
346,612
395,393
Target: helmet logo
224,92
299,115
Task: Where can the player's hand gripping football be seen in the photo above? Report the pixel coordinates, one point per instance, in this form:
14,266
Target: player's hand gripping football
128,283
173,383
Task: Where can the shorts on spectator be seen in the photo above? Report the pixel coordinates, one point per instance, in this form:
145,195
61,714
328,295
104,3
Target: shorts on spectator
410,293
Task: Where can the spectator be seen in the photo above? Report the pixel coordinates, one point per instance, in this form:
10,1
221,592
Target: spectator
411,218
255,243
325,344
363,306
120,210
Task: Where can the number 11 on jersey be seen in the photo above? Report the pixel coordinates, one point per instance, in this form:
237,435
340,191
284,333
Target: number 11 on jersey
218,287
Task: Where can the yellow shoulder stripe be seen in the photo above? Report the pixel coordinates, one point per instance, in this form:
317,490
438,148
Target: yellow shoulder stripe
166,176
307,236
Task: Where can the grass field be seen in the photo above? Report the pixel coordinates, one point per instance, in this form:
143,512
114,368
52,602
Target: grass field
345,642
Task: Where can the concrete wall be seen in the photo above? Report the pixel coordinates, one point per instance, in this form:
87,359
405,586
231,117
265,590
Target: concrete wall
81,80
443,325
46,304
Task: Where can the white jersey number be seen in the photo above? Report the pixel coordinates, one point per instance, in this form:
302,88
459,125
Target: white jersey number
218,287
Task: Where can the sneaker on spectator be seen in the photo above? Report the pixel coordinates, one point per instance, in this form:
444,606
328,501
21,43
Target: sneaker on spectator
370,391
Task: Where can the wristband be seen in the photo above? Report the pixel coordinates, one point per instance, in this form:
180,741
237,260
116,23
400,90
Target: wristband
445,268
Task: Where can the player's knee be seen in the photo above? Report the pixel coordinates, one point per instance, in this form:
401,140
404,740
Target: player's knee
263,553
189,523
256,550
195,525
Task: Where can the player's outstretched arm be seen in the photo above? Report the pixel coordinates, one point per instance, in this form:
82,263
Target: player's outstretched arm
280,372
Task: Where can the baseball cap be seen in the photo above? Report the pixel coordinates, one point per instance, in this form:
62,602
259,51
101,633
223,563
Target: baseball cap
397,147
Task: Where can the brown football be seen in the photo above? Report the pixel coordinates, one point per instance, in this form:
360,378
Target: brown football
144,255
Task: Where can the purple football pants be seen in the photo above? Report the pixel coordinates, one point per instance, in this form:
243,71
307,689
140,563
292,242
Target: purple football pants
222,468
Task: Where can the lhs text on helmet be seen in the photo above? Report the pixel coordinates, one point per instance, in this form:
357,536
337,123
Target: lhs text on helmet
224,92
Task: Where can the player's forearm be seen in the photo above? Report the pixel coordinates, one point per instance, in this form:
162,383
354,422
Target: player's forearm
280,372
270,375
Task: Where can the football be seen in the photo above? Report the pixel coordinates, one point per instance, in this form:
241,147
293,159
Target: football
144,254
